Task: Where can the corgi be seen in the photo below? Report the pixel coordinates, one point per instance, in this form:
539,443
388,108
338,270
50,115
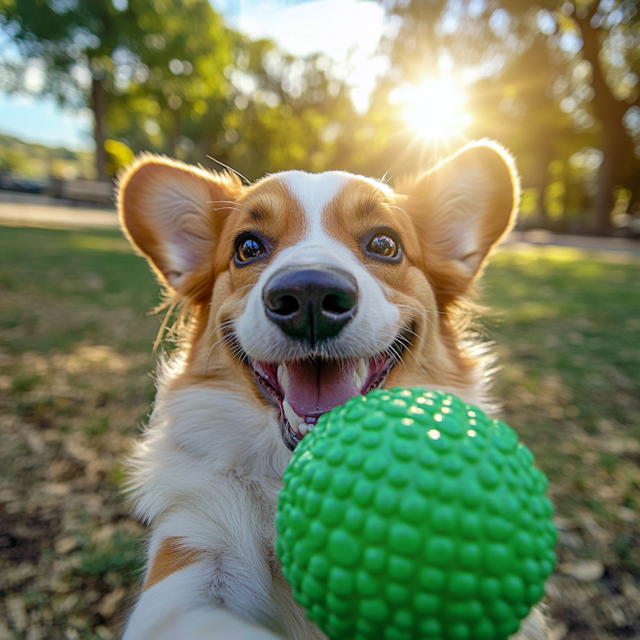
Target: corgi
295,293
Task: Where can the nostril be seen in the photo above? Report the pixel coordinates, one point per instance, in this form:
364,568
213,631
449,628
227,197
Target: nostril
288,305
336,304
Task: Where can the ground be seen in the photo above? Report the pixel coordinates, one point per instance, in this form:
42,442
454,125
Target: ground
75,391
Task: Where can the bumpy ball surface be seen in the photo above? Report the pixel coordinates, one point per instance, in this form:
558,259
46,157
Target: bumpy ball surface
408,514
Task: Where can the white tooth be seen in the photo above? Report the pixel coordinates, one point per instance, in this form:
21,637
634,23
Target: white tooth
293,418
357,380
303,428
362,369
283,377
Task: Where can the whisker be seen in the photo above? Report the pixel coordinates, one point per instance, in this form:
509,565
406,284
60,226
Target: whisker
393,206
397,357
226,166
240,204
229,209
220,325
231,203
422,312
407,344
218,343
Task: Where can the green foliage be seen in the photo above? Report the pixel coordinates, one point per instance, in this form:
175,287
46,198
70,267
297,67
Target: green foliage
22,384
121,554
39,161
169,76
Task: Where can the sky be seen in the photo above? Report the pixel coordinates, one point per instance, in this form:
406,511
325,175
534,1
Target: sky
346,30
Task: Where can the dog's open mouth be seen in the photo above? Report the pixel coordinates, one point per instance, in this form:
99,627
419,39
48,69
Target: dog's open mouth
304,390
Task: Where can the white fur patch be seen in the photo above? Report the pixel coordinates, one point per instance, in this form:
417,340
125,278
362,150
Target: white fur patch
195,436
314,191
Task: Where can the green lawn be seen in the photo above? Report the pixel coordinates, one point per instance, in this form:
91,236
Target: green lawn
75,353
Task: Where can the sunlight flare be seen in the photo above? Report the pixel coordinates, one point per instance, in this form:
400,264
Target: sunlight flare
435,109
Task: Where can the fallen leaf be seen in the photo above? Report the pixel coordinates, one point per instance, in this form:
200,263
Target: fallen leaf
34,632
584,570
104,633
557,631
626,514
66,545
110,602
17,613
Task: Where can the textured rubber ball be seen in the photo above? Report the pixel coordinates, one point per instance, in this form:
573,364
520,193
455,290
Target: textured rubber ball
434,524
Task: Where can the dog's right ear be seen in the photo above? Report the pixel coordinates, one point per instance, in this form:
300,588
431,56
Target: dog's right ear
172,213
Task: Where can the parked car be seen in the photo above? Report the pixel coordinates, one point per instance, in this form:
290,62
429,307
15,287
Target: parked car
22,185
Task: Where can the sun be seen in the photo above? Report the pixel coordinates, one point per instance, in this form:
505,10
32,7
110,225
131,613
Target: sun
434,109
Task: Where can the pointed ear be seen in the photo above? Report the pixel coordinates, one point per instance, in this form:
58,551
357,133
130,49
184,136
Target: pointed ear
461,209
168,212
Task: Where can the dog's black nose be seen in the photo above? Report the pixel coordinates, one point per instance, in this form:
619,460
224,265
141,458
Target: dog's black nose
311,303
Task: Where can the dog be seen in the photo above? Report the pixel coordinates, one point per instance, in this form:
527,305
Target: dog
294,294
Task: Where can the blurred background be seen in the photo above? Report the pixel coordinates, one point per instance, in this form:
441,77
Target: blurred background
374,88
379,88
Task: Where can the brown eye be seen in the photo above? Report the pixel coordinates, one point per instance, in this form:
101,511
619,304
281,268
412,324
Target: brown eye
248,249
383,245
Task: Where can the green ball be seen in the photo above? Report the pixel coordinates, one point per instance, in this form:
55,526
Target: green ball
409,514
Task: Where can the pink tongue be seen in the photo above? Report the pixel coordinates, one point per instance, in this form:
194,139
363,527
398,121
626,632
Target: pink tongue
317,387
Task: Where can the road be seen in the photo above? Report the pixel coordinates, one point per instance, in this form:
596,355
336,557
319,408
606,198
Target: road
35,211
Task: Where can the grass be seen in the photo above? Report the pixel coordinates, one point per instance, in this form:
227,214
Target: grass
567,326
568,330
75,352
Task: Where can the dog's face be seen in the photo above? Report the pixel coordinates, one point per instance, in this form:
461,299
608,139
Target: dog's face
308,289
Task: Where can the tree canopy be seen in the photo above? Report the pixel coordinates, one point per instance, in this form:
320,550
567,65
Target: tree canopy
551,76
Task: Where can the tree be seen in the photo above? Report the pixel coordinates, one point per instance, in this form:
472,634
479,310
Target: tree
493,39
601,26
92,52
184,77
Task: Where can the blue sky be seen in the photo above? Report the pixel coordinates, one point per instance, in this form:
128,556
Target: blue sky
44,122
346,30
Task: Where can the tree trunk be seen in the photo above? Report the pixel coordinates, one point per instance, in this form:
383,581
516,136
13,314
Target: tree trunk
175,134
613,146
99,106
609,111
544,159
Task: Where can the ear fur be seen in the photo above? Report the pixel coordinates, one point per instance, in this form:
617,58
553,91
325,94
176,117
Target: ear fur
461,209
172,213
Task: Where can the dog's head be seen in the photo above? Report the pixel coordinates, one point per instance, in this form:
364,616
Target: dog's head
308,289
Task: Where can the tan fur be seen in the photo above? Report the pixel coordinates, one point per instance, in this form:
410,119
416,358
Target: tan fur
170,557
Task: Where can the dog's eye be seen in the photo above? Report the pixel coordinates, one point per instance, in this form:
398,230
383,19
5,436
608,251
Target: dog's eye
383,245
249,248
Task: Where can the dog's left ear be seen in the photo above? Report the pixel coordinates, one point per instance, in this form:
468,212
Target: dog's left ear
173,214
461,209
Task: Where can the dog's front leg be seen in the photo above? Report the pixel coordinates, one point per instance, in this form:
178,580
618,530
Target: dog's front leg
181,607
